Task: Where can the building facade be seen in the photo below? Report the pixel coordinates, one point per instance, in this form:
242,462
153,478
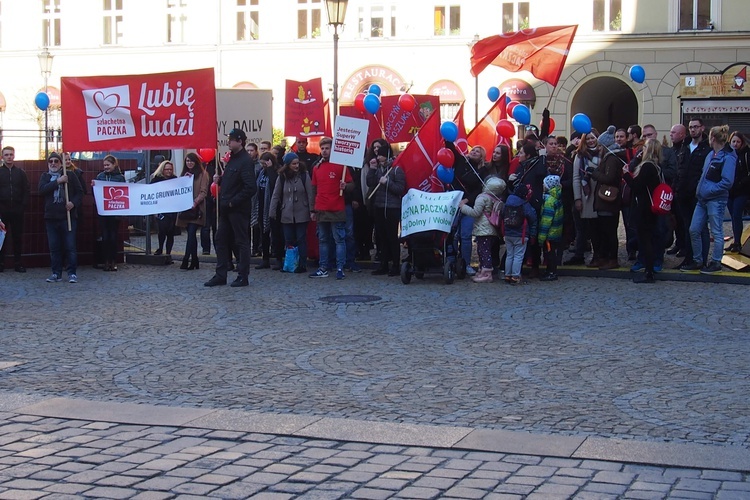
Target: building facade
420,46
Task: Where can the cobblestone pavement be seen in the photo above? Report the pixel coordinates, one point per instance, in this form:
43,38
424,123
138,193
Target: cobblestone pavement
591,357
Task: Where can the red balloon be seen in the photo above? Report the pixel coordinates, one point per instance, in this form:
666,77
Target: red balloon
407,102
359,102
445,157
505,129
207,154
214,190
551,125
509,108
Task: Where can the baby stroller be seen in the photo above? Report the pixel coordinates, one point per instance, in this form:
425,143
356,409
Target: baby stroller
433,252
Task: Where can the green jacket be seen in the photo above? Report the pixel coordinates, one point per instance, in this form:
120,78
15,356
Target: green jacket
552,217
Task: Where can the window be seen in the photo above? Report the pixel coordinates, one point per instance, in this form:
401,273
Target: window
50,23
607,15
379,22
515,16
447,20
695,15
112,22
308,19
247,20
176,20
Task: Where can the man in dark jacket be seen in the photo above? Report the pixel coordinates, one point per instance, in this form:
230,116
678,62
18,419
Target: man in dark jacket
689,169
60,236
236,189
14,196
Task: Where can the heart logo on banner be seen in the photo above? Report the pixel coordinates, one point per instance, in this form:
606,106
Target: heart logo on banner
106,104
114,193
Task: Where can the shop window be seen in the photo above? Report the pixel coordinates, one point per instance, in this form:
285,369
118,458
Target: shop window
447,20
308,19
51,23
695,15
607,15
176,20
112,34
247,20
515,16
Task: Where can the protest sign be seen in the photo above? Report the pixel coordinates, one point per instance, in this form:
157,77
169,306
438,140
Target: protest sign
125,198
349,141
423,211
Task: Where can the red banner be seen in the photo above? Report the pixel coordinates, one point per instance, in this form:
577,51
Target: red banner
485,132
541,51
128,112
400,125
419,158
304,110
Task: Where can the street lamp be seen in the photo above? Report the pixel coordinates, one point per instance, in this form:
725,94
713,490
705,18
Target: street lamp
336,10
45,64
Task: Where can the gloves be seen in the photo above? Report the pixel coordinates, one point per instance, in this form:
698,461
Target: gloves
545,113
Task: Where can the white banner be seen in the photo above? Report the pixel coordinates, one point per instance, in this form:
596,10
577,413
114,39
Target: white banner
349,141
125,198
245,109
421,211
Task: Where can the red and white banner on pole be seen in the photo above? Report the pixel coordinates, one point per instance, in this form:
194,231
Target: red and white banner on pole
127,112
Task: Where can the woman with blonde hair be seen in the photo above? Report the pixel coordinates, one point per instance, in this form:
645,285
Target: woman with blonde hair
194,218
165,222
642,181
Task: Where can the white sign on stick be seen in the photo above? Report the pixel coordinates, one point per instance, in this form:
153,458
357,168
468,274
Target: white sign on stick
422,211
349,141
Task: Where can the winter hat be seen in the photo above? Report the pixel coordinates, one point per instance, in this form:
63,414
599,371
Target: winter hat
289,157
55,155
521,191
607,138
494,185
550,182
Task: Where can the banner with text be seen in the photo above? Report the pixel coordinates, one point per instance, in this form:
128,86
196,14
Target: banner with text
125,198
246,109
422,211
127,112
349,141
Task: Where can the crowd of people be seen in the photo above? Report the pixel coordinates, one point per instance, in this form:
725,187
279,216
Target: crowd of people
551,196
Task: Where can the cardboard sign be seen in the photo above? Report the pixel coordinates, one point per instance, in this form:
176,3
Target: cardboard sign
349,141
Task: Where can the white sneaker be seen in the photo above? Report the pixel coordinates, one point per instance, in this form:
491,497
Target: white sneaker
470,271
72,278
54,278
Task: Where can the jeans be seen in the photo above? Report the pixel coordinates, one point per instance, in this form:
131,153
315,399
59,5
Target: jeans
736,206
62,242
351,246
515,251
709,212
687,209
335,231
466,226
295,234
191,246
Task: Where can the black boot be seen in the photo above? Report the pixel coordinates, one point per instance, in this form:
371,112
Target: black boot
185,263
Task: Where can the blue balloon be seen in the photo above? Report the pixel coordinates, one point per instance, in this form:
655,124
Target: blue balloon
372,103
449,131
522,114
637,73
445,174
507,100
42,101
493,93
374,89
581,123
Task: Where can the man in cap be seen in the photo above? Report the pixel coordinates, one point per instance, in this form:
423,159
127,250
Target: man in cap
237,188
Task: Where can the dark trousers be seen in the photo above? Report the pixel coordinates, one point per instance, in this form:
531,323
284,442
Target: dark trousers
191,245
647,228
607,228
232,232
295,235
165,223
386,226
110,226
209,227
550,255
14,225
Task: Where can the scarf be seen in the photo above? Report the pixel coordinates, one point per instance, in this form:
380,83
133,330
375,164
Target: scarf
59,196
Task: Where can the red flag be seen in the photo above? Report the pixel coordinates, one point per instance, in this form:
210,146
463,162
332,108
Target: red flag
400,125
373,131
313,143
304,112
418,159
485,132
461,142
541,51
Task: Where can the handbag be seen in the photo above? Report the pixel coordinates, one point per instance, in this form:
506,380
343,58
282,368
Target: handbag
191,214
607,193
291,259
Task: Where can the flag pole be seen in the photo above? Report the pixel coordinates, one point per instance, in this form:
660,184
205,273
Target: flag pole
67,198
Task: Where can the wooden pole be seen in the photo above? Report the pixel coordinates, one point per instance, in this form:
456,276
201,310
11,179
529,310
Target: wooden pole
67,198
379,184
343,178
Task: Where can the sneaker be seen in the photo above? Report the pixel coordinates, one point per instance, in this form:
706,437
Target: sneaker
470,271
657,269
72,278
711,268
673,251
340,274
354,268
54,278
691,266
637,267
320,273
549,277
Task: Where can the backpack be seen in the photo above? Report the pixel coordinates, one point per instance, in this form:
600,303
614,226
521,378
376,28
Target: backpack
661,199
496,213
514,216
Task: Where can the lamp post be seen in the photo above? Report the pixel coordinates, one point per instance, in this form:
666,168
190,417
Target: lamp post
45,64
336,10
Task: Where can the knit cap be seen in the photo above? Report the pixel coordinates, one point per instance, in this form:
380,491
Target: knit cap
550,182
289,157
607,138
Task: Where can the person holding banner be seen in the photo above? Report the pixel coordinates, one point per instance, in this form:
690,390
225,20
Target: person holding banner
62,194
165,222
109,224
238,187
194,218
